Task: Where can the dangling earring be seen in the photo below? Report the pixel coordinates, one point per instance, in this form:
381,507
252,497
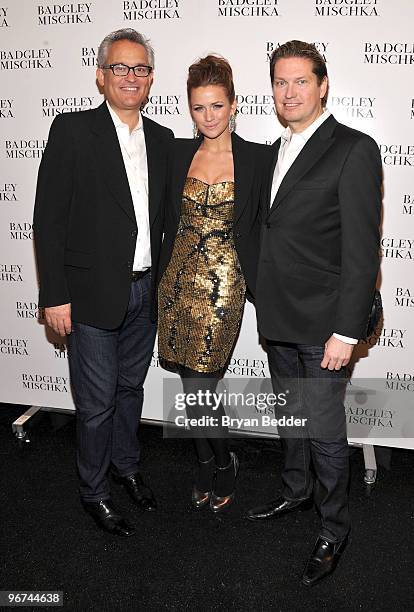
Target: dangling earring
232,123
196,133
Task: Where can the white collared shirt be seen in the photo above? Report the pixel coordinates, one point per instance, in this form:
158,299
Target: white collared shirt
134,154
290,146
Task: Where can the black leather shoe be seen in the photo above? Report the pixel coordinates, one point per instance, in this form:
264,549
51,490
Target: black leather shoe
277,507
140,494
107,518
323,560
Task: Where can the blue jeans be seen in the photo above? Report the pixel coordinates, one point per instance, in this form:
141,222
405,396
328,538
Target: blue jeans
316,457
108,369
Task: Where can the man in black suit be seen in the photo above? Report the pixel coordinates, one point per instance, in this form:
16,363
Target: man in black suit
317,271
98,227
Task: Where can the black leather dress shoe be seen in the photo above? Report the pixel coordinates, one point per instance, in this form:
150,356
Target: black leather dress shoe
140,494
323,560
277,507
107,518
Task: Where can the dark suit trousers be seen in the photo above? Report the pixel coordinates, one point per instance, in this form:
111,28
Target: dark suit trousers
108,369
316,456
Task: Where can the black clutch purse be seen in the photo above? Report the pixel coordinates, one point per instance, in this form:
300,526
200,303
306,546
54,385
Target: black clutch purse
375,314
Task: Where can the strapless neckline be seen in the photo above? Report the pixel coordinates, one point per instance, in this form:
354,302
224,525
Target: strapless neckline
193,178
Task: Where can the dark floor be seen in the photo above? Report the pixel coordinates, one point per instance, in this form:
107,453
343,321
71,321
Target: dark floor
182,560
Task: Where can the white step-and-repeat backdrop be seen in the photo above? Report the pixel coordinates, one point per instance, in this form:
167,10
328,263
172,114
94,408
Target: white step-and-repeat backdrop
47,66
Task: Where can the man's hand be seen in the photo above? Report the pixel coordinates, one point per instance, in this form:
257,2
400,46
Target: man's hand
337,354
58,318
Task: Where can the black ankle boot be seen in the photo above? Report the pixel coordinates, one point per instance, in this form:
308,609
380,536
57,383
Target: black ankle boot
202,487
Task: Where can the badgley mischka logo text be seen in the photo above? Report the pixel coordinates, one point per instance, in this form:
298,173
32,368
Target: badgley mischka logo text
4,20
404,297
11,273
137,10
408,204
21,231
248,8
45,382
6,108
346,8
14,346
67,13
26,59
168,104
353,107
88,57
397,248
8,192
30,149
397,154
55,106
388,53
321,47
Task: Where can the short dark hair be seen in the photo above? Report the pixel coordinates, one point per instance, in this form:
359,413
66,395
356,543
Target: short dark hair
211,70
298,48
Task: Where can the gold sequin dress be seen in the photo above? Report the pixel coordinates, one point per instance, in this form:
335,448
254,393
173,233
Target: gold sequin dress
201,294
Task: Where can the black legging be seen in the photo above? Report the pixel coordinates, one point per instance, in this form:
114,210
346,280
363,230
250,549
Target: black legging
208,441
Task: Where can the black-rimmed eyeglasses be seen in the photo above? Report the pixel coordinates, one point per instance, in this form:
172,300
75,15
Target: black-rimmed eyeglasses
122,70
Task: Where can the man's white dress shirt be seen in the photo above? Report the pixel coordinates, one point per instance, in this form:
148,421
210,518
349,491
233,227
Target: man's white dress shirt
134,154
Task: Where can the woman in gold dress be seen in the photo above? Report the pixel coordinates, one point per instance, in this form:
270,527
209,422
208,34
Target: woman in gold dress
208,260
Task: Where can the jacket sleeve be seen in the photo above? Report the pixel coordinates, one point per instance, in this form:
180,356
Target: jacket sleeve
360,196
51,213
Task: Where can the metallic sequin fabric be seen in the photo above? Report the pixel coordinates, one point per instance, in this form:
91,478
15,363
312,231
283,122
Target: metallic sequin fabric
201,294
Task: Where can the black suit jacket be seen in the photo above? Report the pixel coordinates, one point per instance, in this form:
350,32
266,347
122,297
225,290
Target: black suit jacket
84,220
319,255
248,159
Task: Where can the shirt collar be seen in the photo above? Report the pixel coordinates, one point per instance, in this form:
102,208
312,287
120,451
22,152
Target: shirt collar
120,124
287,133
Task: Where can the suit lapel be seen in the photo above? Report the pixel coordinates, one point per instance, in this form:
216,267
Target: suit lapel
275,148
243,174
109,155
154,163
311,153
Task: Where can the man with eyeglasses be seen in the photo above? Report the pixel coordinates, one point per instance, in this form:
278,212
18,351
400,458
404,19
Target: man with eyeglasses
98,227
